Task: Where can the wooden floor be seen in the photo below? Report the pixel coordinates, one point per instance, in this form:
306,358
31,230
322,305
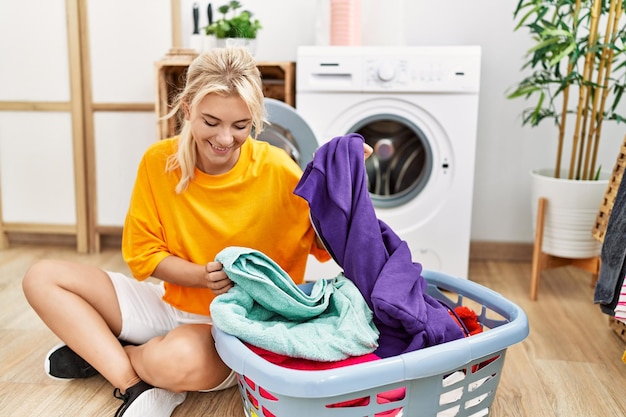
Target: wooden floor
569,366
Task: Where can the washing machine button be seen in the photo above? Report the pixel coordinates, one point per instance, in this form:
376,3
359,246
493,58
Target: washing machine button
386,72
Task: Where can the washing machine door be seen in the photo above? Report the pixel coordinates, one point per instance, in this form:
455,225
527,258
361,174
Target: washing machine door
401,163
289,131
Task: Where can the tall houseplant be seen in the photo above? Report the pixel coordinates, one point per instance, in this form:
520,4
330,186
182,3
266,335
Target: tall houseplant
577,71
576,79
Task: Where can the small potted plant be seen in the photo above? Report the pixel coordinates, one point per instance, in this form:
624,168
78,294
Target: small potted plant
234,27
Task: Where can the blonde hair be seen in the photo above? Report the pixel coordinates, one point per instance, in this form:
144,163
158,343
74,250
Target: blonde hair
224,71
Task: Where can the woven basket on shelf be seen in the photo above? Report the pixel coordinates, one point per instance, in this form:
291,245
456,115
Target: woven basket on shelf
599,229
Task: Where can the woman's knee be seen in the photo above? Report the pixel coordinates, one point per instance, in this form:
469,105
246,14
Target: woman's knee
39,277
190,347
50,281
190,359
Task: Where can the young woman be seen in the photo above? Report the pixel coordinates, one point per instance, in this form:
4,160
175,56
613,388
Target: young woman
211,187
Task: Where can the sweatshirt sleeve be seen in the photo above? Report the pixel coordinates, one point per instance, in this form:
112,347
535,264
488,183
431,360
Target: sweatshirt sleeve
143,239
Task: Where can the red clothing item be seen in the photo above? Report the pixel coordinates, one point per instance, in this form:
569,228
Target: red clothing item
307,364
310,365
469,319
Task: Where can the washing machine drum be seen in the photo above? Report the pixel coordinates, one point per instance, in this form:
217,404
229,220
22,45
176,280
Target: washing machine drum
289,131
400,165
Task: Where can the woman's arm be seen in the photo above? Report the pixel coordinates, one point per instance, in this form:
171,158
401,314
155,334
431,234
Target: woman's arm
181,272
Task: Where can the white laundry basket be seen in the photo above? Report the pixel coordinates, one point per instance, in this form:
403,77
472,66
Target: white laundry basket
457,378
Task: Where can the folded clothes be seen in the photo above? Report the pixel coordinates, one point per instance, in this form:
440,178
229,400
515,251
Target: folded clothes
267,309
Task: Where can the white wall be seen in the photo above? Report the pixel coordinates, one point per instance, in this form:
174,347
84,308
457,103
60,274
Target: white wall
506,152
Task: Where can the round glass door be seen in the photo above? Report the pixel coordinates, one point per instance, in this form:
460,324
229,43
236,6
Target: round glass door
281,138
288,131
401,164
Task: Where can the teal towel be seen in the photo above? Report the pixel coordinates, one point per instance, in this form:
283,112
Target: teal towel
267,309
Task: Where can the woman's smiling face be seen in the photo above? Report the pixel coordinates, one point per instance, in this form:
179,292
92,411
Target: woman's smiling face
219,125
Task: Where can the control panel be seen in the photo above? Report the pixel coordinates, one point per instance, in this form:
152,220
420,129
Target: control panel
388,69
410,75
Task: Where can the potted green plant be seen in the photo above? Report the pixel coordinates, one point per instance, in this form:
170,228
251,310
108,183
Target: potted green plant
572,79
234,27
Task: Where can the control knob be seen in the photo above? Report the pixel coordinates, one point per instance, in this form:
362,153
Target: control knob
386,72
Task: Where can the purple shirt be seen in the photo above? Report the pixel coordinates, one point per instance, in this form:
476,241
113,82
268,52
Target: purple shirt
370,253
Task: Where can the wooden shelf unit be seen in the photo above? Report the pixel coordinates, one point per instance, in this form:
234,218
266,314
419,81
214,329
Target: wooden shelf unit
279,82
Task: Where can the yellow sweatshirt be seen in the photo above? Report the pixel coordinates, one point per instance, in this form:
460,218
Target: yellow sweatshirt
252,205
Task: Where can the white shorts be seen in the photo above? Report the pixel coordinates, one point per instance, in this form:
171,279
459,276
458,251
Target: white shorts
145,315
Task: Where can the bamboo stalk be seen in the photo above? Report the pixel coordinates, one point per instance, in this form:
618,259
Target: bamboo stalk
570,68
583,96
591,90
596,90
615,17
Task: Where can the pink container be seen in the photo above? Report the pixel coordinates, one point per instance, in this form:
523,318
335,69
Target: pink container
345,22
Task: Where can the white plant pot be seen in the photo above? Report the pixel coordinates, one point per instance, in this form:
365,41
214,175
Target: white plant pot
570,213
250,44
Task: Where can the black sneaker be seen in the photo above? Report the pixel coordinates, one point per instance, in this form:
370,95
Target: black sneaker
144,400
63,363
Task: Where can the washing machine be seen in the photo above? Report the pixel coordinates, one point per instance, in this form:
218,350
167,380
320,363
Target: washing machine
288,131
418,109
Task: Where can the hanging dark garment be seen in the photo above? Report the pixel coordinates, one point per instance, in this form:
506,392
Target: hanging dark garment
613,255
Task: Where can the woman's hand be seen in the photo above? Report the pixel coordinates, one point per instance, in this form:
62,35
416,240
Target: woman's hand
217,280
367,149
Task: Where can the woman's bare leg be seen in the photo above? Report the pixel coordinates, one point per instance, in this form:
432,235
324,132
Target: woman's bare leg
79,304
183,360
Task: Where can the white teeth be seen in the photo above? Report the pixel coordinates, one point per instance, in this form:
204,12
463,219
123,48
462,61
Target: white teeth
219,148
